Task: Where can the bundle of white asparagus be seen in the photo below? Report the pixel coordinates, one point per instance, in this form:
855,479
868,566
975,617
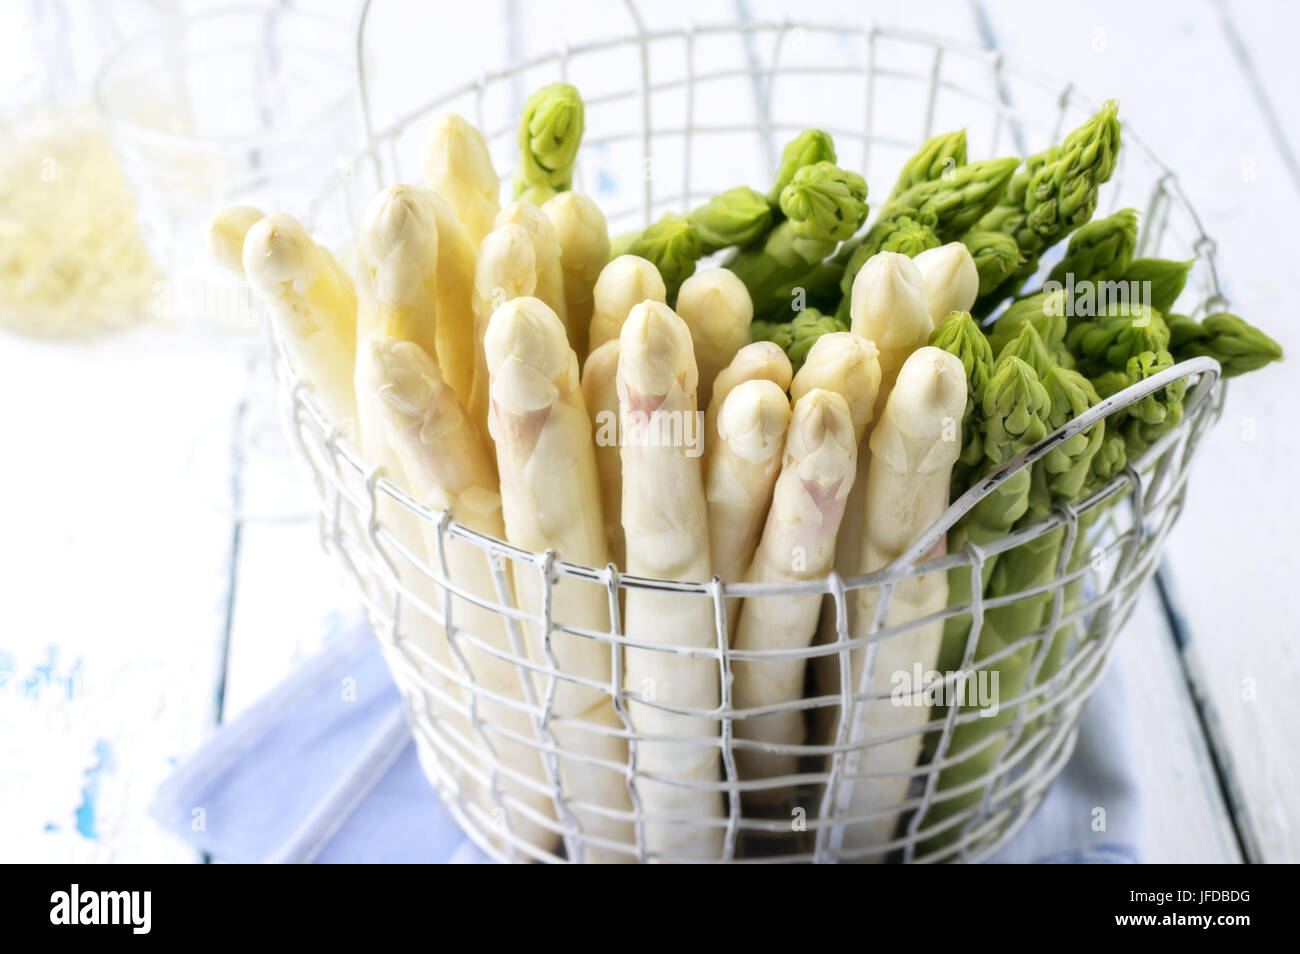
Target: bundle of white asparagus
498,365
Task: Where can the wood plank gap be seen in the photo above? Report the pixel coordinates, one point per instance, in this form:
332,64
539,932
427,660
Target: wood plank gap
236,534
1208,721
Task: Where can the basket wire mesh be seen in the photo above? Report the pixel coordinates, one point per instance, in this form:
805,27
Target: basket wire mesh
476,740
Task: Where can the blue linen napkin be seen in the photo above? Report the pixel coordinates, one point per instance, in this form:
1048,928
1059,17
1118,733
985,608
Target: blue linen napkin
323,769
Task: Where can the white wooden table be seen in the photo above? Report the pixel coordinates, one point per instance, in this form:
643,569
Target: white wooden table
161,567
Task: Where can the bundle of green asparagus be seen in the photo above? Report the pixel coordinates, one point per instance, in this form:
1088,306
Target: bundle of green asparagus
809,405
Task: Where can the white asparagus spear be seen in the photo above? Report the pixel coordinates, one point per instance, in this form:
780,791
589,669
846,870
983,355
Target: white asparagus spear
913,448
600,393
715,305
665,520
458,166
741,470
549,286
584,251
454,291
551,501
506,269
889,308
798,543
313,307
397,263
448,467
761,360
847,364
951,279
626,281
226,235
397,258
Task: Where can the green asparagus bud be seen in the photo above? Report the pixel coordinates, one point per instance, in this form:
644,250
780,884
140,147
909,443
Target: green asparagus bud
908,237
1156,413
1123,331
777,332
1069,463
1167,280
738,216
996,256
1028,346
825,203
549,135
1100,250
959,335
1109,460
673,245
808,148
936,157
1015,409
1236,344
1111,382
1046,312
797,337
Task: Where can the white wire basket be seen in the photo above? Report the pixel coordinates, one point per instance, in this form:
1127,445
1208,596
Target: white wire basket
705,108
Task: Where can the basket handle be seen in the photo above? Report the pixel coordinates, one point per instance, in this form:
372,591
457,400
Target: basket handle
363,86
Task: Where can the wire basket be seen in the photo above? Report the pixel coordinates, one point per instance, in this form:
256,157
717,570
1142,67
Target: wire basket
702,109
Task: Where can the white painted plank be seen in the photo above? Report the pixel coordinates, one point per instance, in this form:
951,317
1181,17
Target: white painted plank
290,596
1180,87
116,546
1179,789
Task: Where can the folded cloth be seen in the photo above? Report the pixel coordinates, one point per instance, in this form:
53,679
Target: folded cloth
324,769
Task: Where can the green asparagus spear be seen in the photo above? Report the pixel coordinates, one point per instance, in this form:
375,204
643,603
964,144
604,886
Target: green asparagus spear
937,157
1167,280
1054,194
1236,344
823,205
1012,417
1122,331
738,217
1101,250
1045,311
959,335
1156,414
1030,565
549,135
996,256
806,149
1028,345
673,246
